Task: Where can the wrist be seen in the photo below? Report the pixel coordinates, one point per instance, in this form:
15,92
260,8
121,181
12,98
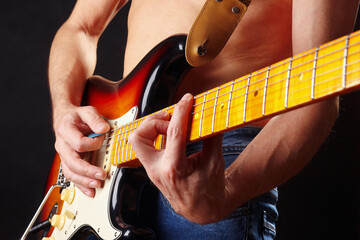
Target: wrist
59,110
234,197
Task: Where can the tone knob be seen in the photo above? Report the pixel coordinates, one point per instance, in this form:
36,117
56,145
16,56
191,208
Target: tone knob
58,221
69,215
68,195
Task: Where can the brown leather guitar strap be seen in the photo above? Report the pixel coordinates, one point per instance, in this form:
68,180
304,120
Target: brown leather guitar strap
212,28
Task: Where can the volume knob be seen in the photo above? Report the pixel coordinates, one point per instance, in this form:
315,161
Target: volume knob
58,221
68,195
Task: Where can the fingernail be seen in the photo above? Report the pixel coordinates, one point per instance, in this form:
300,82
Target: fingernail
88,193
187,96
93,184
99,175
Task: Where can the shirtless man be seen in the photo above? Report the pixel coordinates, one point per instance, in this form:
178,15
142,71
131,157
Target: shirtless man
197,188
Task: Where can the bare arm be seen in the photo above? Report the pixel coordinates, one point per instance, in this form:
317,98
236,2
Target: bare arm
72,62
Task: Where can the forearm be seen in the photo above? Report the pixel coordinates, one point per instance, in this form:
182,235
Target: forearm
73,52
72,62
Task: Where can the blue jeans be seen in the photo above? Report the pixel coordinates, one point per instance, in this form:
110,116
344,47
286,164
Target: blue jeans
252,220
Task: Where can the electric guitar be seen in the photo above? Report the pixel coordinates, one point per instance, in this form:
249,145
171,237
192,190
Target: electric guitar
116,211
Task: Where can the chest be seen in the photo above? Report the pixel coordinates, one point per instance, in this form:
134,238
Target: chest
262,37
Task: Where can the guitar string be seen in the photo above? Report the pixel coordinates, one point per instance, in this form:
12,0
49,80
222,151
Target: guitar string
126,133
255,90
284,63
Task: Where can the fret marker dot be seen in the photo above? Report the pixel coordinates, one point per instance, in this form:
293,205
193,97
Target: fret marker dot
222,106
301,76
255,93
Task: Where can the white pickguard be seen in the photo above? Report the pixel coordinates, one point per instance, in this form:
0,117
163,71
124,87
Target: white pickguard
94,211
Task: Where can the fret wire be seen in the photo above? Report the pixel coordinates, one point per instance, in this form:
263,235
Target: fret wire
135,126
265,90
229,103
119,160
287,83
117,149
314,73
123,143
345,61
213,117
246,95
127,141
202,114
112,144
109,147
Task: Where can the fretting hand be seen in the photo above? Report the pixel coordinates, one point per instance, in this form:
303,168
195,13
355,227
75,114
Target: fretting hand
195,185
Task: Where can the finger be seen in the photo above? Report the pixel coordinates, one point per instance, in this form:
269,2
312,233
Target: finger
85,184
142,139
153,126
90,116
79,142
90,192
80,122
177,130
158,116
77,165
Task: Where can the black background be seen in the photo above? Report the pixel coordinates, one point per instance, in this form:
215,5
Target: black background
321,202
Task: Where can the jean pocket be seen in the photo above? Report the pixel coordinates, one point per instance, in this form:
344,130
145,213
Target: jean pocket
269,232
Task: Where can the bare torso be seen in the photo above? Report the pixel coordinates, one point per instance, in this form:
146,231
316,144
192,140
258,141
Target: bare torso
262,38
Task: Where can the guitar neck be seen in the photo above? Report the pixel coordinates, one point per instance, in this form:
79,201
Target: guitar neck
329,70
